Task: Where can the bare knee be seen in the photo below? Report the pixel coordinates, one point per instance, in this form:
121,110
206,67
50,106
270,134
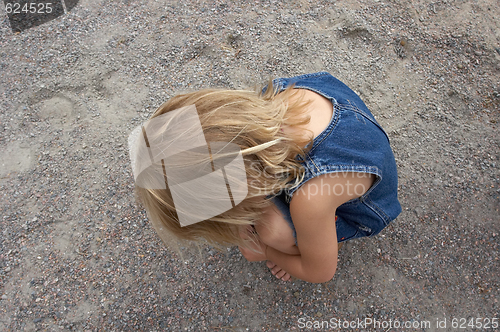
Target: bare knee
274,230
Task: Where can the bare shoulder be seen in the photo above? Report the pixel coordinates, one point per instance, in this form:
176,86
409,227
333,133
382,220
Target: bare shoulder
322,195
320,110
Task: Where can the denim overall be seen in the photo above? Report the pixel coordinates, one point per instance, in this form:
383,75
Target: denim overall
352,142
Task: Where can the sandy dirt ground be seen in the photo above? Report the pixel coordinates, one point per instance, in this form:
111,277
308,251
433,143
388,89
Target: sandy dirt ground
77,253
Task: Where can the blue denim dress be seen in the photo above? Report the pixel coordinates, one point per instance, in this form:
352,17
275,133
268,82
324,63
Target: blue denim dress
352,142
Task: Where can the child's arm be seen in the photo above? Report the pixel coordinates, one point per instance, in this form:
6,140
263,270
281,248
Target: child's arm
313,209
314,221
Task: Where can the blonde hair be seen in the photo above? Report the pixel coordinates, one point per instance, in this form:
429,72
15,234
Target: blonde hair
253,121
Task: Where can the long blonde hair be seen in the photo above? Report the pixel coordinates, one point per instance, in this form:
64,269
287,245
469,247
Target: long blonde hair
253,121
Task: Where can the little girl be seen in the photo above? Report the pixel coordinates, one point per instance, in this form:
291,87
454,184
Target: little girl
319,171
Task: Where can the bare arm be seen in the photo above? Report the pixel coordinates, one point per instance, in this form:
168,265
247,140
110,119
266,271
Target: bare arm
313,210
317,240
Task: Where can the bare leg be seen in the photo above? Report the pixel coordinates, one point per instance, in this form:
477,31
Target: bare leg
276,233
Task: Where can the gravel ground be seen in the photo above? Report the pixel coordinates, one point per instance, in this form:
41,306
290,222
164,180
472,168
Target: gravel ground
77,253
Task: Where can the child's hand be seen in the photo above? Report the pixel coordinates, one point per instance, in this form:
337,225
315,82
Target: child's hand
257,251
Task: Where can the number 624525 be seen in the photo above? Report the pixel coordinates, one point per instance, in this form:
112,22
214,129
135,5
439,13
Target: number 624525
32,7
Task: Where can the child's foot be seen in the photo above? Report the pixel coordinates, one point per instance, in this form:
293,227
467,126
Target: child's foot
278,272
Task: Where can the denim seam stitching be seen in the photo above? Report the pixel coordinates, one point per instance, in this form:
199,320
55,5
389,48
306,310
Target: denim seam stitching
350,238
312,161
321,73
331,126
370,204
280,82
356,109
